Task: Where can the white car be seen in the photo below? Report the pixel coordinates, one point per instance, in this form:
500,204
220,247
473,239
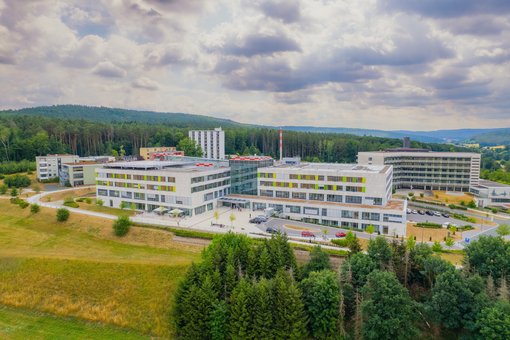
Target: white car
415,211
437,213
409,211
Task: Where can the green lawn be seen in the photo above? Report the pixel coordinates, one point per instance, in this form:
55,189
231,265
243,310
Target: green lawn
21,324
80,269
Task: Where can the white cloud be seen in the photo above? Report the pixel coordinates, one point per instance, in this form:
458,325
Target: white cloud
355,63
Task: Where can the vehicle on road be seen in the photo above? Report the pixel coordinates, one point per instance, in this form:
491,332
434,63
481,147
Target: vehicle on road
437,213
307,234
430,213
340,234
257,220
445,215
415,211
421,212
409,211
271,230
262,217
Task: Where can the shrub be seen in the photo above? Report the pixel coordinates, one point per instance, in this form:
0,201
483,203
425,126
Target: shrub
121,225
14,192
80,199
88,200
411,194
464,218
421,195
17,181
340,242
99,202
437,247
23,204
430,225
62,215
472,204
3,189
35,208
494,210
69,202
15,200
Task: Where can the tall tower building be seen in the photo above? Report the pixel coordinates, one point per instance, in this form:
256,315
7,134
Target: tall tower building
212,142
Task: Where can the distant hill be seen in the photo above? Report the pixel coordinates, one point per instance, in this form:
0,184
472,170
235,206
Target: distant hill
106,114
482,136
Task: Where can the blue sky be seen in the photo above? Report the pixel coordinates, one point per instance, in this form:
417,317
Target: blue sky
385,64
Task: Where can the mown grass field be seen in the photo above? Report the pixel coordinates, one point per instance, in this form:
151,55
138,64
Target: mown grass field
80,269
23,324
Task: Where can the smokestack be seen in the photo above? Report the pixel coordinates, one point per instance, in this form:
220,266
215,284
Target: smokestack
281,144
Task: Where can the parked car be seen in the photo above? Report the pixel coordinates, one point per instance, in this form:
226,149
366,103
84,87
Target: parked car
415,211
340,234
307,234
446,215
263,218
271,230
430,213
421,212
409,211
437,213
257,220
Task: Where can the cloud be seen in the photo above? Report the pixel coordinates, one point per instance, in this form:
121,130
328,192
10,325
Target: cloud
261,44
287,11
109,70
447,8
146,84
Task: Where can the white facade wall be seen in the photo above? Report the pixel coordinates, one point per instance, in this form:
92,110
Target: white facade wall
212,142
351,196
168,188
449,171
49,166
491,194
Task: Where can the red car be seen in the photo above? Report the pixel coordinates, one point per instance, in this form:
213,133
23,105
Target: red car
340,234
307,234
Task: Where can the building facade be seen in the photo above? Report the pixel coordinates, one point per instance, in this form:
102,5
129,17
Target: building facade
81,173
491,194
50,166
244,173
428,170
147,153
192,187
338,195
212,142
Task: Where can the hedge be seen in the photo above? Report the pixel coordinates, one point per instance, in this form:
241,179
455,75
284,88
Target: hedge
430,225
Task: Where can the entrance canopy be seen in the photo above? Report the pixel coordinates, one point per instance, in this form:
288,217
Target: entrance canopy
232,200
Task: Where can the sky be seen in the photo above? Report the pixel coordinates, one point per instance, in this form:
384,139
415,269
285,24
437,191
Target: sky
381,64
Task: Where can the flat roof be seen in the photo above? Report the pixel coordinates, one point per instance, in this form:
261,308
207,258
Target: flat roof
250,158
393,204
417,152
331,167
85,163
183,166
491,184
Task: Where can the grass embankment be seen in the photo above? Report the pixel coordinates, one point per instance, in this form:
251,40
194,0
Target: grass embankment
79,269
22,324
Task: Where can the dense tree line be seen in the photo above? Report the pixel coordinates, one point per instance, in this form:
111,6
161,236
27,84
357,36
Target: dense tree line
22,137
247,289
496,165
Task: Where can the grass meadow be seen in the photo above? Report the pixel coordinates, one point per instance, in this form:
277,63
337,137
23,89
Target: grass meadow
79,269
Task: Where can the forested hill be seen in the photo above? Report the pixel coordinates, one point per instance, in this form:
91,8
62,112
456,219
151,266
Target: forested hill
106,115
26,135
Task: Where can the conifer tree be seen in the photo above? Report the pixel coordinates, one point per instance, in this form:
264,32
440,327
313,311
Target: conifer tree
219,321
263,310
319,260
289,315
264,266
503,293
241,308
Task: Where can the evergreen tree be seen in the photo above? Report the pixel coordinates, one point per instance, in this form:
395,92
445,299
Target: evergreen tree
380,251
264,265
263,310
388,311
289,315
241,308
321,297
319,260
219,321
494,321
358,267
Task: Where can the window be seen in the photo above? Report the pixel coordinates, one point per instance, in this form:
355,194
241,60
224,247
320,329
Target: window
350,214
102,192
266,193
299,195
209,196
282,194
371,216
316,197
335,198
139,196
294,209
353,199
126,194
200,210
311,211
114,193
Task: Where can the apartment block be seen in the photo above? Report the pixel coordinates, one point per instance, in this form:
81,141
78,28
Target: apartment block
212,142
428,170
193,187
339,195
50,166
491,194
244,173
150,153
77,174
